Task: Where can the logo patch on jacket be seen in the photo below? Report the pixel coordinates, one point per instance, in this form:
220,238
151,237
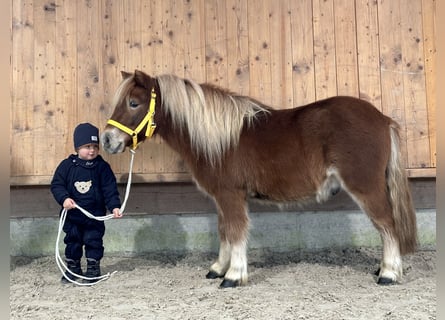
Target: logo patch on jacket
83,186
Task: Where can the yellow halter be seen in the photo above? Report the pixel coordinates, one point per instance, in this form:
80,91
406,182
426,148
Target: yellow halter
148,120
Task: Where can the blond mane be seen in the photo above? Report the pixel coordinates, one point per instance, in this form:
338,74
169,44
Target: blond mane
212,116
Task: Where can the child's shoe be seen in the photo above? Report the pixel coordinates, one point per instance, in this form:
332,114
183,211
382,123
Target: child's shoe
93,270
73,266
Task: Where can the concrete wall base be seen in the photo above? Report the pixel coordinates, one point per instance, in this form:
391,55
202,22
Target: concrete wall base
277,231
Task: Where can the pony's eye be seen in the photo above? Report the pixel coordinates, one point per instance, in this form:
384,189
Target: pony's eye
133,104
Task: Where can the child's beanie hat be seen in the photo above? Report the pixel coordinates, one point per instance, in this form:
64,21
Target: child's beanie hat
85,133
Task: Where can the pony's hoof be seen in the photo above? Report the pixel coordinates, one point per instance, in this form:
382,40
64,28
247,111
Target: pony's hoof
377,272
213,275
385,281
229,284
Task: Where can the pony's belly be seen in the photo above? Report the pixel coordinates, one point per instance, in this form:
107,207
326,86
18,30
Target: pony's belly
296,198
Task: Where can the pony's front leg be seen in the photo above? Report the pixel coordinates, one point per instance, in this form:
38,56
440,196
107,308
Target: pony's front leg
220,267
233,224
237,273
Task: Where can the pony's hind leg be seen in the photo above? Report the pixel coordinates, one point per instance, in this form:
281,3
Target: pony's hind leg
377,207
233,223
391,266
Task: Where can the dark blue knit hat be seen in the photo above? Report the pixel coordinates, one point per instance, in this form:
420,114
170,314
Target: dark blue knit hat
85,133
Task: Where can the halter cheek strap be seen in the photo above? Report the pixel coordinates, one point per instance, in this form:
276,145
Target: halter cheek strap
148,120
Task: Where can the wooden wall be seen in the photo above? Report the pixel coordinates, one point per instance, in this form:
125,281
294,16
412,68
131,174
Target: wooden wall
67,57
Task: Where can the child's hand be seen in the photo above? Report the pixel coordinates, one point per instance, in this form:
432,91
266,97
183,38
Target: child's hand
117,213
69,204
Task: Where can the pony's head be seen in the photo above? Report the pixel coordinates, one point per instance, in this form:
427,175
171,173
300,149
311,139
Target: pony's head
133,116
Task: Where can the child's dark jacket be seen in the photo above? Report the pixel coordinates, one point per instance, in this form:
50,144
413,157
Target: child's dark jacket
91,184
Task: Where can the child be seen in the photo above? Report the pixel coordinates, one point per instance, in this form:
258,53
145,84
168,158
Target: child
87,180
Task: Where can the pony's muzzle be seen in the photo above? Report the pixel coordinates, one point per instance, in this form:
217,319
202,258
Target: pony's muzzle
111,142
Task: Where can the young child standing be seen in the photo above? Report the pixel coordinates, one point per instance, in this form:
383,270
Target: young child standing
87,180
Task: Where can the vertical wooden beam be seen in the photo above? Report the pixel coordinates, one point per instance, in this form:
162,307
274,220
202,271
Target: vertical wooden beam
173,40
302,52
368,52
324,49
173,58
90,91
346,48
280,54
22,91
112,62
151,152
132,26
66,76
418,144
429,47
259,52
391,69
46,137
194,40
216,42
238,46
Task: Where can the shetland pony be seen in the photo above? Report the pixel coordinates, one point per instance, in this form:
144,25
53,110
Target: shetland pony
237,148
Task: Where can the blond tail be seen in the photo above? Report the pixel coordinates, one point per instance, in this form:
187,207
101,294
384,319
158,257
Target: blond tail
400,197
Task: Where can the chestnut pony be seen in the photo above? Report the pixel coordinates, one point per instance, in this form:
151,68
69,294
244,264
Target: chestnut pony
238,148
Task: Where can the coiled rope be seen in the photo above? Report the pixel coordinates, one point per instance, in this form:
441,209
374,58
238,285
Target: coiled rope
60,263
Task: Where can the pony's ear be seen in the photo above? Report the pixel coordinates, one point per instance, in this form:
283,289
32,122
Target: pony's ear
141,79
125,74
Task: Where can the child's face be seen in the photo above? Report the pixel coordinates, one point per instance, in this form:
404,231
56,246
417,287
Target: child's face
88,151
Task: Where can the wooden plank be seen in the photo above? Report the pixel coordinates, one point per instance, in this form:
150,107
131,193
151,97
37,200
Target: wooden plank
194,40
112,35
346,48
114,61
173,59
259,52
66,75
280,54
324,49
89,81
190,28
238,46
368,52
132,25
429,47
216,43
173,40
302,52
157,36
99,60
417,135
391,69
22,93
46,138
152,152
422,173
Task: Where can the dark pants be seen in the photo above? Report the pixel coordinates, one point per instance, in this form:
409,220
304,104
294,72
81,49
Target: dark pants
83,231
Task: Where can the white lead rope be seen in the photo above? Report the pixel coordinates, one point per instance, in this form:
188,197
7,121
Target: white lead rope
60,263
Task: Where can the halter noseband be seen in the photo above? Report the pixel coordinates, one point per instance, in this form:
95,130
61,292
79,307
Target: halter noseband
148,120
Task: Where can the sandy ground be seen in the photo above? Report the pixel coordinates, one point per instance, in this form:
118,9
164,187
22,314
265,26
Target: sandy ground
330,284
